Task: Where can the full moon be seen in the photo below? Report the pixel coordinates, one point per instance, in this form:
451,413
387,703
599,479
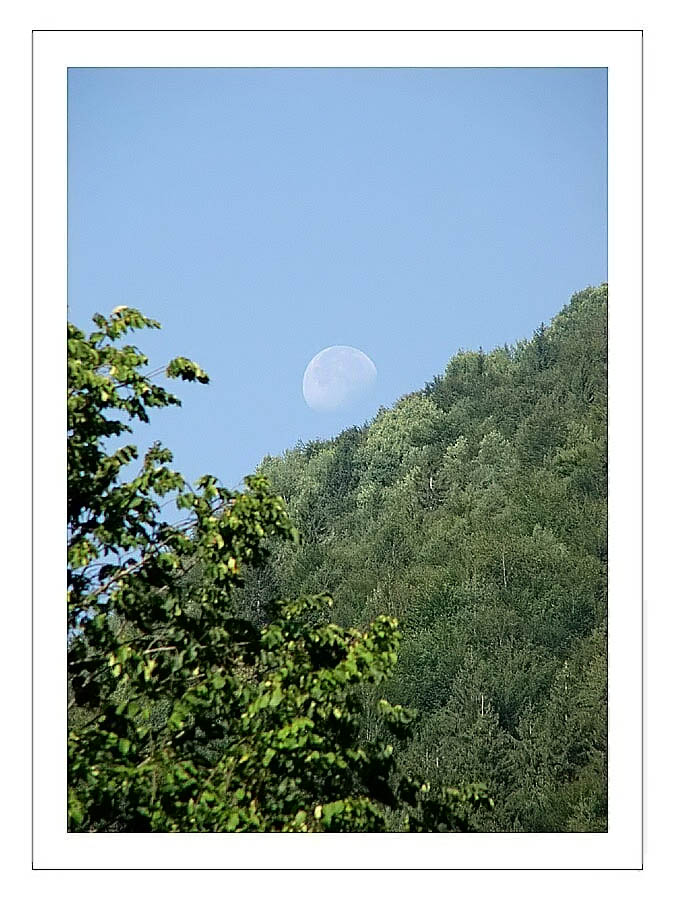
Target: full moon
336,378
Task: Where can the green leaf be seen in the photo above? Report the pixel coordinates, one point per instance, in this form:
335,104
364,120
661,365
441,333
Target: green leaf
270,753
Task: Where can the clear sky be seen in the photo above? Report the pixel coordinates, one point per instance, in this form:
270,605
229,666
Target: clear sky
264,214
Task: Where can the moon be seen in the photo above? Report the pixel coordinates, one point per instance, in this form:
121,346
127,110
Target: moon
336,378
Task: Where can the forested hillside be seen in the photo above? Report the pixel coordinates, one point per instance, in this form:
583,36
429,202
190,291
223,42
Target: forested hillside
475,512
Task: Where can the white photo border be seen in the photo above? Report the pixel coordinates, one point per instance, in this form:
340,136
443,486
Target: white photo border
621,53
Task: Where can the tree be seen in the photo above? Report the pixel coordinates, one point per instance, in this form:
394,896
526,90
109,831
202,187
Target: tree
183,715
476,512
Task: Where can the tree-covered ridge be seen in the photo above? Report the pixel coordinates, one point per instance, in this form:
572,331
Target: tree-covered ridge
475,511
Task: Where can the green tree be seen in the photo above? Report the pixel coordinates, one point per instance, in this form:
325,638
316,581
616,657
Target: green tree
185,716
476,512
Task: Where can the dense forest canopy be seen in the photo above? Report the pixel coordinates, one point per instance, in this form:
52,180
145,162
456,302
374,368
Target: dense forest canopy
475,511
462,537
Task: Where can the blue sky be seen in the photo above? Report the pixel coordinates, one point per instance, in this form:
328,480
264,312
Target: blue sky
264,214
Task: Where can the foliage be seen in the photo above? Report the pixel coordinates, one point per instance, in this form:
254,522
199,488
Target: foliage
475,511
186,715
